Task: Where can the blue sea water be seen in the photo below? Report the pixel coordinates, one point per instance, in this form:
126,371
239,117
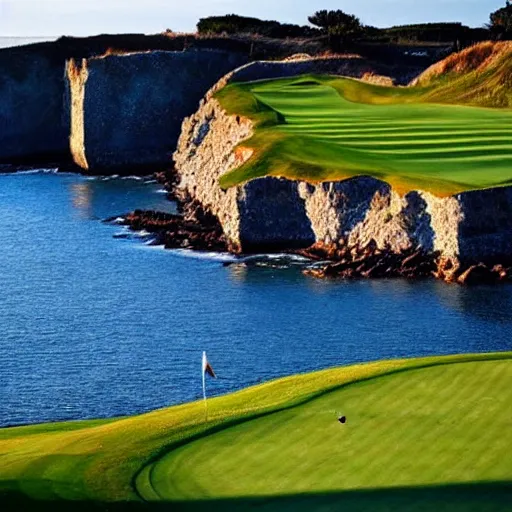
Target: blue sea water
97,326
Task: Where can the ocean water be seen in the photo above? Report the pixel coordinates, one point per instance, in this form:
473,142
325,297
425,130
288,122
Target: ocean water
93,325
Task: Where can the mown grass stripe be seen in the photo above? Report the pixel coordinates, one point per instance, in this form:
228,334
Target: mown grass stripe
319,135
494,142
452,149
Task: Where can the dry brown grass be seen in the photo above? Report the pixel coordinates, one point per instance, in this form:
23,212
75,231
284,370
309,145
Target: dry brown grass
297,56
115,51
375,79
475,58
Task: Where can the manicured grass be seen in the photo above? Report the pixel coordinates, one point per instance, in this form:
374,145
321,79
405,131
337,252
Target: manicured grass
420,432
320,128
442,425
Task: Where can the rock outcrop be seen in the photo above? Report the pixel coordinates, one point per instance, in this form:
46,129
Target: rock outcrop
209,146
127,110
360,223
34,100
175,231
251,223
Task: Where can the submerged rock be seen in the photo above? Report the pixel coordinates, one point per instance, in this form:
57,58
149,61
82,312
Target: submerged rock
176,231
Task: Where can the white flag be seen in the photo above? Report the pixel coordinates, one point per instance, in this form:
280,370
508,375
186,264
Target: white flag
207,367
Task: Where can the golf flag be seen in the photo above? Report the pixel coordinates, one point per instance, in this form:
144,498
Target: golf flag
207,367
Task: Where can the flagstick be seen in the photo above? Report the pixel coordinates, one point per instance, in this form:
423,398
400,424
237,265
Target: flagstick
204,397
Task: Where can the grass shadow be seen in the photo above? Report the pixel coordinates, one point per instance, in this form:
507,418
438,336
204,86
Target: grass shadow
477,497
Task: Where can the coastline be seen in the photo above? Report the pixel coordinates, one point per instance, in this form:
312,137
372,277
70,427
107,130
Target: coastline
348,374
361,225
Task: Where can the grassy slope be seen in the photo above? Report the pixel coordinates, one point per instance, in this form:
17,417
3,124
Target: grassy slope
457,410
425,427
480,75
324,128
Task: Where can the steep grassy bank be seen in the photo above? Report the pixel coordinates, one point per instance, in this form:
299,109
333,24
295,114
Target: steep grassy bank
480,75
437,422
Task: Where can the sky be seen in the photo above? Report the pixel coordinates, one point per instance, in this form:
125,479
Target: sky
87,17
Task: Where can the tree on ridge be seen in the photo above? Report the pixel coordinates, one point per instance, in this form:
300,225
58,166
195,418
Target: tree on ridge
501,21
338,25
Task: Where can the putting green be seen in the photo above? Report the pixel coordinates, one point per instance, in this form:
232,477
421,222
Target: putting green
325,128
441,425
421,433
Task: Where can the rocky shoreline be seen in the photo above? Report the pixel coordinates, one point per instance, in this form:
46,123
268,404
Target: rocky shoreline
370,262
361,227
176,231
197,229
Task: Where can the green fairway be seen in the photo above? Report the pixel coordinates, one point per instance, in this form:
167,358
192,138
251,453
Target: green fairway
324,128
442,425
419,433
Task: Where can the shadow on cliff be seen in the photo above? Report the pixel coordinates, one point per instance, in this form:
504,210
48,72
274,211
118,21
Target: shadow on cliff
354,198
418,221
481,497
273,217
485,233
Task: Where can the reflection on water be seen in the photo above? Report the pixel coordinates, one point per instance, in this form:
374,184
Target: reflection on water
81,197
263,275
239,273
487,303
97,198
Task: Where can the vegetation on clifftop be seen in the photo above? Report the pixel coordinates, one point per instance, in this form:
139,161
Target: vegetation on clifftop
501,21
434,136
339,29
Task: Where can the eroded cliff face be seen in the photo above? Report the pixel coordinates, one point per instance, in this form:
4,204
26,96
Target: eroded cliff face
263,214
127,110
206,150
34,94
355,218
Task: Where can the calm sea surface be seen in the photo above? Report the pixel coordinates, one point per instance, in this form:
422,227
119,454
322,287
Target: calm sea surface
95,326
